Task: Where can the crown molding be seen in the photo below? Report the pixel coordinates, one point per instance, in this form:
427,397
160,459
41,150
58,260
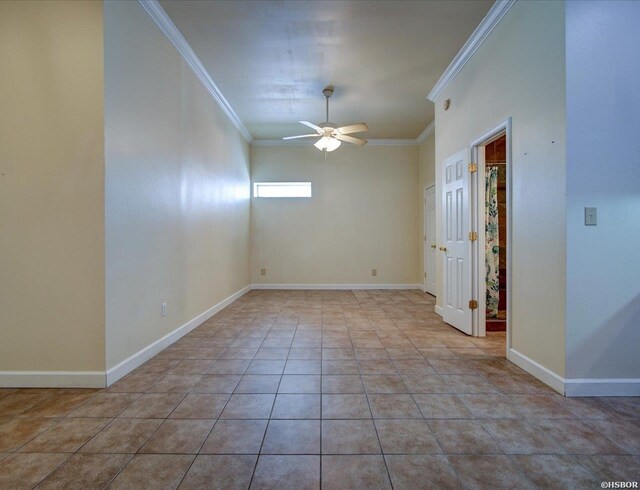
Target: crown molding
397,142
490,21
278,142
305,142
426,132
169,29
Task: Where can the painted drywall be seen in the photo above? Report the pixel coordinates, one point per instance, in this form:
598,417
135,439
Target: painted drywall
273,58
177,188
51,187
363,215
603,144
427,177
519,72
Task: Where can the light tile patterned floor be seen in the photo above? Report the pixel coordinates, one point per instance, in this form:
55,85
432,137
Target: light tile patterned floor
301,389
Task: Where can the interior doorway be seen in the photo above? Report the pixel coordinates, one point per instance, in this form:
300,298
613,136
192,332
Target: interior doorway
429,227
495,164
492,218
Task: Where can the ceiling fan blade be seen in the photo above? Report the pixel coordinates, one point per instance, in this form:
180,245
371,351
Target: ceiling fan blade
350,139
314,135
354,128
312,126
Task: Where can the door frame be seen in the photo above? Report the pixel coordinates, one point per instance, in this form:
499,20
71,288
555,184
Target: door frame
478,286
426,246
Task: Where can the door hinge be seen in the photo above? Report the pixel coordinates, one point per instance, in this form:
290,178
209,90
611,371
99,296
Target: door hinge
473,168
473,304
425,238
425,274
473,236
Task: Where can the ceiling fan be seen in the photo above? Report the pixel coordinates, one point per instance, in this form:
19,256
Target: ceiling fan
331,136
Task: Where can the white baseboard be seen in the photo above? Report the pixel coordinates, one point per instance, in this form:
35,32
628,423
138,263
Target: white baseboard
439,310
143,355
336,286
100,379
545,375
52,379
602,387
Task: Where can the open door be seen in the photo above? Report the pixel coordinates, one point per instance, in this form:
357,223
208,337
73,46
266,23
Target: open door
457,246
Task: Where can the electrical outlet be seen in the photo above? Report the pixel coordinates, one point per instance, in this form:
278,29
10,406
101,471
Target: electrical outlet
163,309
374,272
263,272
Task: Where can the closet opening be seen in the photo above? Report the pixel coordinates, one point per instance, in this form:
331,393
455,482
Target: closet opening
495,162
492,251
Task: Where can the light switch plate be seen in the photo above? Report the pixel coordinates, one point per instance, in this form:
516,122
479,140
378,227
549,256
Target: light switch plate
590,216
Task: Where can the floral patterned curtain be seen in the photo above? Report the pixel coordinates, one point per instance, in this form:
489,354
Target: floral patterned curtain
492,241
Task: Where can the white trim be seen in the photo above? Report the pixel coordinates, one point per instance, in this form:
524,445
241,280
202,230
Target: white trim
478,259
478,205
143,355
371,142
281,142
576,387
545,375
439,310
490,21
426,132
336,286
52,379
397,142
602,387
166,25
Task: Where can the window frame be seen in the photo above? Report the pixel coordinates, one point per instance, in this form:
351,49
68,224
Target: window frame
283,185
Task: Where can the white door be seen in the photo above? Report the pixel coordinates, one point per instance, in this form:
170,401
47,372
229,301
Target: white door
430,250
457,246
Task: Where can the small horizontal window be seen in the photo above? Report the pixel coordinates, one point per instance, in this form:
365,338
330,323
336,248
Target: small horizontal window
282,189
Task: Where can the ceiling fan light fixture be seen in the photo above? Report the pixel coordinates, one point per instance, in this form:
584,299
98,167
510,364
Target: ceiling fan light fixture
333,144
327,143
321,144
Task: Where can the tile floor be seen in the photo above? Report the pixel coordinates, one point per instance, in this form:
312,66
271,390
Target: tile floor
302,389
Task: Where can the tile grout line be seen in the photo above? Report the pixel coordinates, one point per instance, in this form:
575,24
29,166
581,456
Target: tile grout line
264,436
133,455
375,427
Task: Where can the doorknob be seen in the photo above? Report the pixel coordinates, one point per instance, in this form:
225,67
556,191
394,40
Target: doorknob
444,249
433,246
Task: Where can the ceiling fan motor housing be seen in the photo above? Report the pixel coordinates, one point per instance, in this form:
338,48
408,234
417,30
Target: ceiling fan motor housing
328,128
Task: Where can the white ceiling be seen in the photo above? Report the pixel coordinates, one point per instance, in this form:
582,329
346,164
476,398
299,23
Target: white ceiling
271,59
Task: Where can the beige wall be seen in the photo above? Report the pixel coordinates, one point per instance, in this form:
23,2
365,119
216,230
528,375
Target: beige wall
51,186
177,188
519,72
427,172
362,216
